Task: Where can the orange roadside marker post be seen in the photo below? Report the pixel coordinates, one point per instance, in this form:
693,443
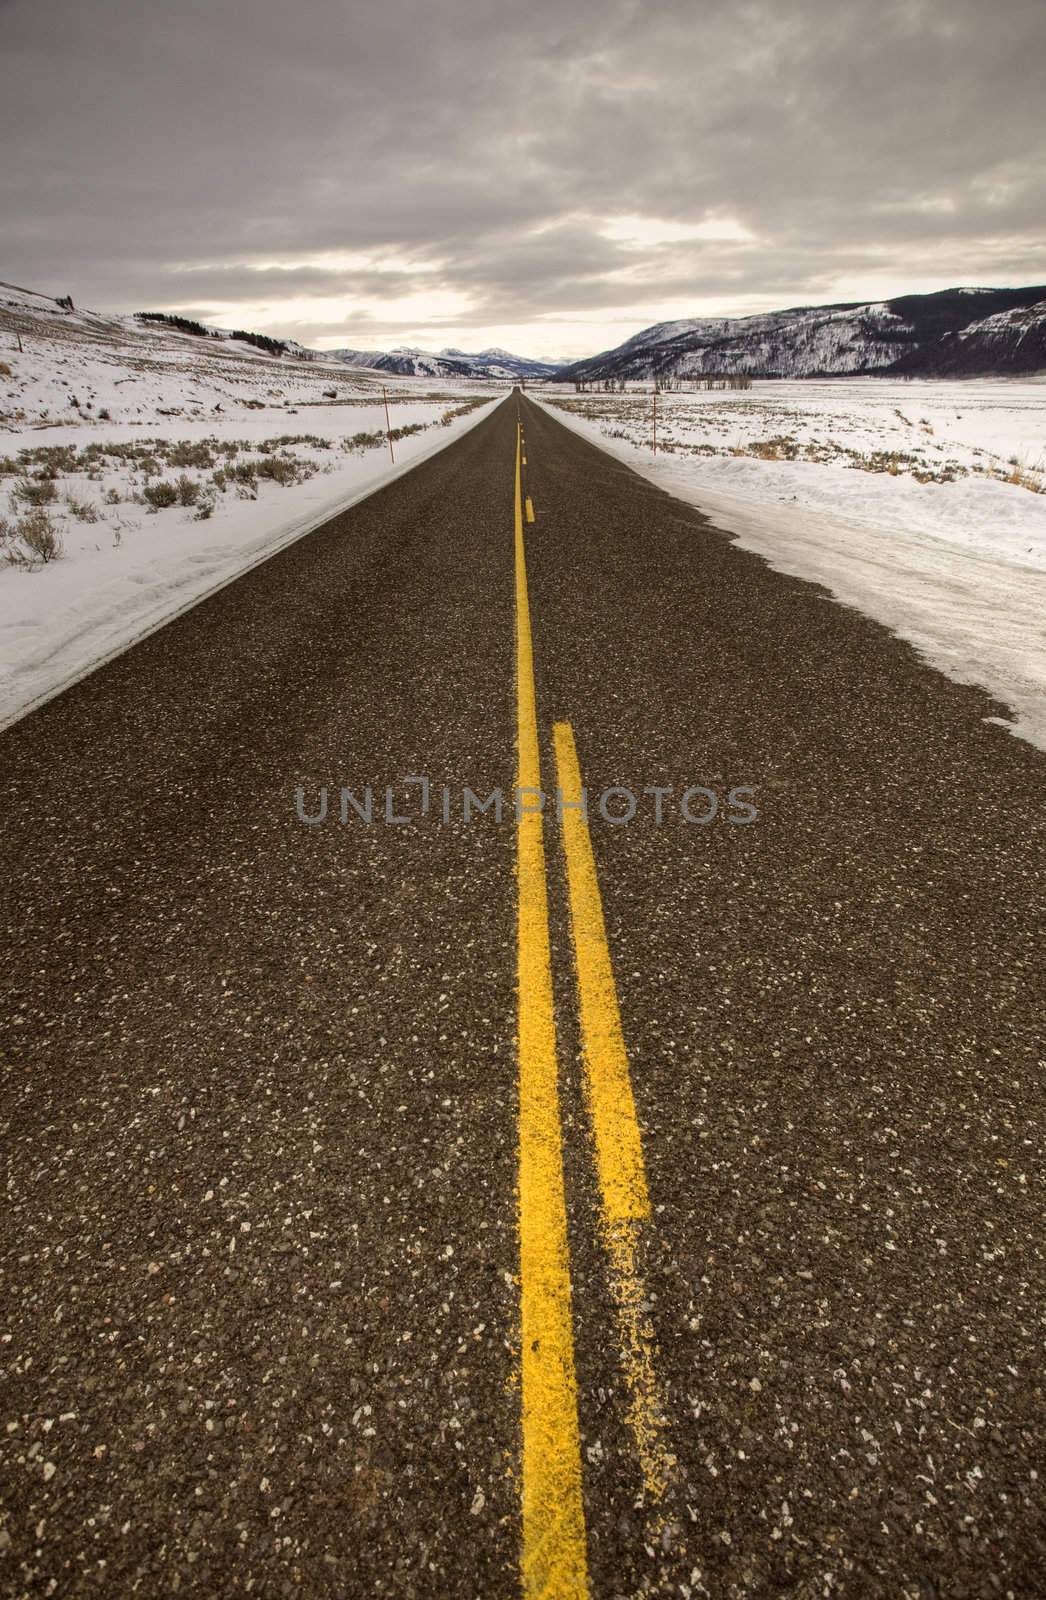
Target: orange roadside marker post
388,424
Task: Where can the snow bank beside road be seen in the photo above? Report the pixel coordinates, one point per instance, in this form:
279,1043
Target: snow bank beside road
125,575
957,566
167,462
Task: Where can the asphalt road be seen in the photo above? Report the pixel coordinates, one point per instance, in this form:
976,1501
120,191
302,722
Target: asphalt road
277,1123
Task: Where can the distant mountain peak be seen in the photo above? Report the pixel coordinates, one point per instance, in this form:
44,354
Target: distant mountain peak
408,361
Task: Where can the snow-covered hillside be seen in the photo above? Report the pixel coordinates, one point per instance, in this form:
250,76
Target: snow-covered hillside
1010,342
782,343
959,332
142,467
74,365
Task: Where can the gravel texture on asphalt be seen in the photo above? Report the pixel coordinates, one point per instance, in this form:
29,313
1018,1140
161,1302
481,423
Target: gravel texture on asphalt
259,1249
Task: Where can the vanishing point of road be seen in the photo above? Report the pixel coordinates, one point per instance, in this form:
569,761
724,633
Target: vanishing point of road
640,1195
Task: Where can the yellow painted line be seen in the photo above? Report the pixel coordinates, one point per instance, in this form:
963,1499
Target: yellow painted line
646,1412
619,1152
554,1560
530,509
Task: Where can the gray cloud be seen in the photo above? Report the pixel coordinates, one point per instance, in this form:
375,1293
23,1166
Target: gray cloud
168,156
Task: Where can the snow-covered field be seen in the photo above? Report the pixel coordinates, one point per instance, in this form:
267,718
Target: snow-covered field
182,463
922,504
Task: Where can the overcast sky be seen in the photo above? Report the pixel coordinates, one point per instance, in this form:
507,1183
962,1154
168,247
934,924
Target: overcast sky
550,176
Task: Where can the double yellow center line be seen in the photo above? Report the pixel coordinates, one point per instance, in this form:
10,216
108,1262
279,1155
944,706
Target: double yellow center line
554,1557
554,1545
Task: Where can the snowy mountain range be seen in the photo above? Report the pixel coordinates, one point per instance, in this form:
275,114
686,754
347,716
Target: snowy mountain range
955,333
409,362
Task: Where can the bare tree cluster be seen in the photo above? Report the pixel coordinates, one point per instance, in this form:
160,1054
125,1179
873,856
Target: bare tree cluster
667,383
673,383
599,386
